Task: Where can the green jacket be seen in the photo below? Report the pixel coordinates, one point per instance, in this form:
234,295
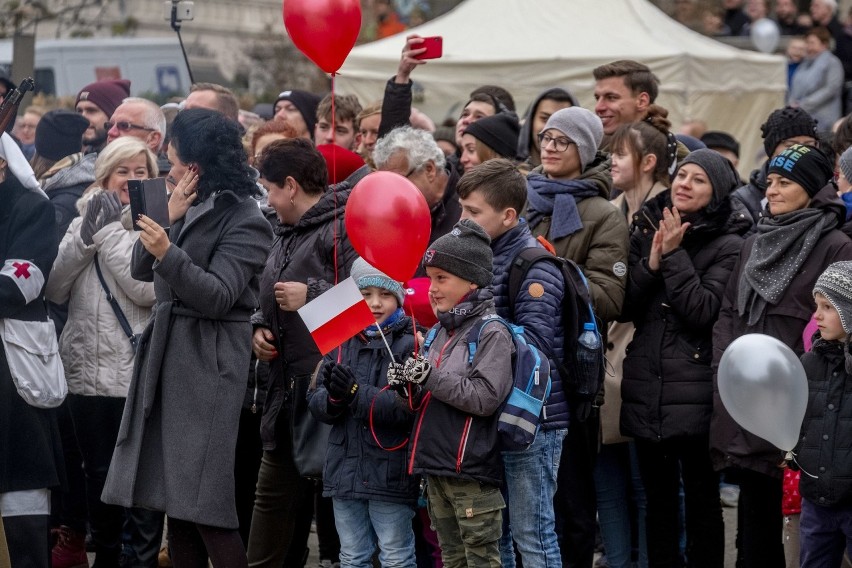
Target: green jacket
600,248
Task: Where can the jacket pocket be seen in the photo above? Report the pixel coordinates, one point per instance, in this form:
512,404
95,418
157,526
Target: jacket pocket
480,517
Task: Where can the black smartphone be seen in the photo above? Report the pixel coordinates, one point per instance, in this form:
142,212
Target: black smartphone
149,197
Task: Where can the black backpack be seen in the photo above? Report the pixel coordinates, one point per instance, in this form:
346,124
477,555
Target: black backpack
582,368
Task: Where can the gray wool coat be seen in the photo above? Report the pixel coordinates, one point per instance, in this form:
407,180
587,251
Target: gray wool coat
175,447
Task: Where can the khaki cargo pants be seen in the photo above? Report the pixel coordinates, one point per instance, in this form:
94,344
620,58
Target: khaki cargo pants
468,517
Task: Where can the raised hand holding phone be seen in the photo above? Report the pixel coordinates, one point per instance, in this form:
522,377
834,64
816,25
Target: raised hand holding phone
412,54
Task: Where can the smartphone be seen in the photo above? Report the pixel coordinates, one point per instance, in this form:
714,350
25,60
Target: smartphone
434,48
149,197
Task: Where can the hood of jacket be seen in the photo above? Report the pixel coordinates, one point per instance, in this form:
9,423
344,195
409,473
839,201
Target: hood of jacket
74,170
525,137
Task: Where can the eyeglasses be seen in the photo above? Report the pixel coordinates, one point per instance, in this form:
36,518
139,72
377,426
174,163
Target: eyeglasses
124,126
561,143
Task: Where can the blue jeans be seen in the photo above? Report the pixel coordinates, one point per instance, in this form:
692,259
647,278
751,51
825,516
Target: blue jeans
531,485
361,524
621,500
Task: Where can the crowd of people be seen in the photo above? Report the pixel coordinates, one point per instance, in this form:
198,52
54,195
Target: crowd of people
190,374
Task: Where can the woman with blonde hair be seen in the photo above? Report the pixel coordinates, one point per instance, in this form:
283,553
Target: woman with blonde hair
97,344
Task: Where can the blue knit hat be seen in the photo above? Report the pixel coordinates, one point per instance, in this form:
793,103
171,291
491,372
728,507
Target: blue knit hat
366,275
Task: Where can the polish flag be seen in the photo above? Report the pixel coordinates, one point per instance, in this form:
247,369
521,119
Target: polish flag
336,315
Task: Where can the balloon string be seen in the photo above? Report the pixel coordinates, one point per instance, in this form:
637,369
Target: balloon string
334,186
791,456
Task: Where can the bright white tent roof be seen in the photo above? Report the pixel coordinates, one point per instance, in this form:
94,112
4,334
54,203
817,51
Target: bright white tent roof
527,46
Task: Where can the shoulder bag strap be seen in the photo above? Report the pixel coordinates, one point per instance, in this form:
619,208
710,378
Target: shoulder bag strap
119,314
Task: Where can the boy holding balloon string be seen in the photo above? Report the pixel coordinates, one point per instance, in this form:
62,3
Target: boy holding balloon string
825,446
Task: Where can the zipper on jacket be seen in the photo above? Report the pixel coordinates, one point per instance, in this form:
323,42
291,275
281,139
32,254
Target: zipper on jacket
463,443
423,407
416,438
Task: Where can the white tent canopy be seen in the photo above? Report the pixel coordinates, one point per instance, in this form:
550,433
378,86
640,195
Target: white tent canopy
527,46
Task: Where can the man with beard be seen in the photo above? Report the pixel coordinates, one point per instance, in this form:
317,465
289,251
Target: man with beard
97,102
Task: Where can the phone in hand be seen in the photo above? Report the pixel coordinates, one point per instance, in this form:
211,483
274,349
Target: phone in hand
149,197
434,48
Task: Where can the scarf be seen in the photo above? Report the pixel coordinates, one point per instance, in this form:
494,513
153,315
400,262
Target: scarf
558,199
782,245
470,306
373,330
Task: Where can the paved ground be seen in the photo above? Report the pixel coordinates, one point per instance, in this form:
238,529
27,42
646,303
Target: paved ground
729,513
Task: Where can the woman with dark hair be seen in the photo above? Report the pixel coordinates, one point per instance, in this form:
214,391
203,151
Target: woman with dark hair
311,252
770,292
682,250
175,446
642,153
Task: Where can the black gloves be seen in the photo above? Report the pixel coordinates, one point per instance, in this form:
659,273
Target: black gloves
342,386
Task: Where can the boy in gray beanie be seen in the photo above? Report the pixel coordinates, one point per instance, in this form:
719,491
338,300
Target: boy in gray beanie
823,452
454,442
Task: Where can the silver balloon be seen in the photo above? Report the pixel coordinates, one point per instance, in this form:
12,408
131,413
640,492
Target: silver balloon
763,387
765,35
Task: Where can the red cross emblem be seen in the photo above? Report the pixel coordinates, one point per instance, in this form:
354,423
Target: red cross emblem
22,269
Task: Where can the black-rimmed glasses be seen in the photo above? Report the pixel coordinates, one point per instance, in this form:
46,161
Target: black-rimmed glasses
560,142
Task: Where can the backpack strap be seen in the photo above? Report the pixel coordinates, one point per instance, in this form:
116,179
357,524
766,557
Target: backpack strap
430,337
475,331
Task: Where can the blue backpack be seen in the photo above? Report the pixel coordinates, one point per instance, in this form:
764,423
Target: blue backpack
520,414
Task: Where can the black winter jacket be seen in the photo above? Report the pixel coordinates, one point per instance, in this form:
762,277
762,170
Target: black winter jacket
825,446
355,466
30,445
730,444
539,314
667,385
300,253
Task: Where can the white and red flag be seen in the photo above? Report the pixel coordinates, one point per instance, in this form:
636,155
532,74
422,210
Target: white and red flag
336,315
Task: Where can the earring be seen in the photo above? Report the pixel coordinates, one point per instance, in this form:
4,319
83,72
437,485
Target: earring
292,203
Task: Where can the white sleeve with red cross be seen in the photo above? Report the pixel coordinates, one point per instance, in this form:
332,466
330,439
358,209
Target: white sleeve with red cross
26,276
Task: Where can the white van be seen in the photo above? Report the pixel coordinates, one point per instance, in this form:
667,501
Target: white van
64,66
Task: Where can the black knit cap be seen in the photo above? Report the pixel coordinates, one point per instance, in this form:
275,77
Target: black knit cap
720,171
714,139
784,123
465,252
804,165
60,133
305,102
499,132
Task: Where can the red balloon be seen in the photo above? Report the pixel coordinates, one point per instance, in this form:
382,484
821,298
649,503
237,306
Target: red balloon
388,223
324,30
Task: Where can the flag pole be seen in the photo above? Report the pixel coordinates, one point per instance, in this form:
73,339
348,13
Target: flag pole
385,339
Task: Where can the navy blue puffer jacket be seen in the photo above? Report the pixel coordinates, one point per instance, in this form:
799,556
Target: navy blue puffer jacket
538,309
356,467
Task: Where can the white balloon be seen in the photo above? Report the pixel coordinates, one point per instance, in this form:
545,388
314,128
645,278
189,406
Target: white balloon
763,387
765,35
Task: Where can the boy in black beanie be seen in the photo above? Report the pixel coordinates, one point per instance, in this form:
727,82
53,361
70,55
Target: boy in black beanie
455,442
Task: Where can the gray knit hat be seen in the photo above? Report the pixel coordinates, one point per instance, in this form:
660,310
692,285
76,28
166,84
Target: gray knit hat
846,164
720,171
465,252
836,285
365,275
582,126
